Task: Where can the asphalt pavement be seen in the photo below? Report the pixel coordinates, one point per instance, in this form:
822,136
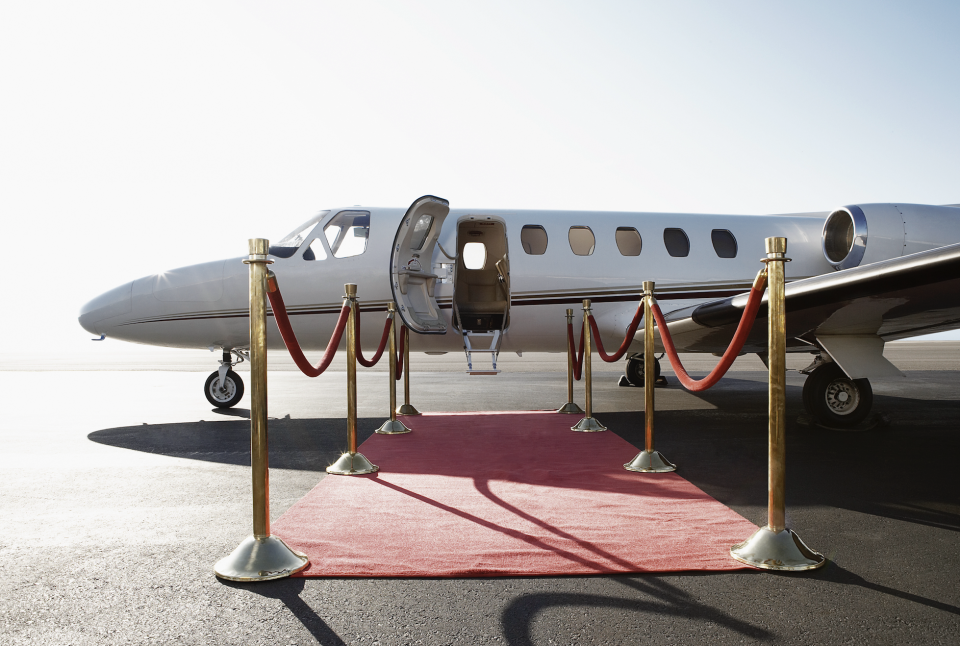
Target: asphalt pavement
121,488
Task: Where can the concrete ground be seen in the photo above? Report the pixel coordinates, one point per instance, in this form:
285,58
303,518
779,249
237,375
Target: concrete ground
121,488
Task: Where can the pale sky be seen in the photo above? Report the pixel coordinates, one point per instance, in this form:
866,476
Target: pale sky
140,136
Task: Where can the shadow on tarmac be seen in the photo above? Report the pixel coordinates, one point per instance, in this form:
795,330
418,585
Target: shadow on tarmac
288,592
904,472
661,598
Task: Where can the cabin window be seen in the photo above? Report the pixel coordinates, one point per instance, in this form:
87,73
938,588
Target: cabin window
315,251
628,241
582,241
474,255
420,231
347,233
533,239
676,242
724,243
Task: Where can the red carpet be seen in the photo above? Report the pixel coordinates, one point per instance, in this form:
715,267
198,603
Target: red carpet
500,494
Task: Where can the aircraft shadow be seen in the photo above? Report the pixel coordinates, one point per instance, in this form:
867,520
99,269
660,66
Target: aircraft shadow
302,444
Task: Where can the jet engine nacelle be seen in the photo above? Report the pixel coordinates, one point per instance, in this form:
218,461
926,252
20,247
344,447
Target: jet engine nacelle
867,233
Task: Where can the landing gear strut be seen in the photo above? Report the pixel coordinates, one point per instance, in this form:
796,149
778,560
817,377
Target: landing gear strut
834,399
224,388
634,369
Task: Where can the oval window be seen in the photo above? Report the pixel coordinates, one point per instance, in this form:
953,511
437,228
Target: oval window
724,243
474,255
533,239
628,241
582,241
676,242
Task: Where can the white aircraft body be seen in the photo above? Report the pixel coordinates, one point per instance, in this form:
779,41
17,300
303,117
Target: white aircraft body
486,281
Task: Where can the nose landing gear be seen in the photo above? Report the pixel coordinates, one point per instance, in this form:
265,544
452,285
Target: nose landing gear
224,388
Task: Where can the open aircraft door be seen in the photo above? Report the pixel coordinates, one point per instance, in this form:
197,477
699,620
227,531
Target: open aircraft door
411,279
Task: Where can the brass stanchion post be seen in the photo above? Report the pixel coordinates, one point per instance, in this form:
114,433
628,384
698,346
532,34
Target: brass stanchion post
588,424
407,408
649,460
393,426
776,547
259,557
352,463
570,406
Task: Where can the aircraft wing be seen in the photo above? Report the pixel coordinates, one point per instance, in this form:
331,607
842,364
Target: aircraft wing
851,310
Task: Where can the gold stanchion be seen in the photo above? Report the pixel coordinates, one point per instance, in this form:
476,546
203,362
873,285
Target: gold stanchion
588,424
775,547
407,408
352,463
393,426
570,406
259,557
649,460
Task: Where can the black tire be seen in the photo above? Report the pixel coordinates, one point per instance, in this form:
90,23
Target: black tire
227,398
835,399
634,370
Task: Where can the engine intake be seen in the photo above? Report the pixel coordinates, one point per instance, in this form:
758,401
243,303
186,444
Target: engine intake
845,237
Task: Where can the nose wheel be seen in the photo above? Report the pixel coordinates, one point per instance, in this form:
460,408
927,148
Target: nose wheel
224,388
227,394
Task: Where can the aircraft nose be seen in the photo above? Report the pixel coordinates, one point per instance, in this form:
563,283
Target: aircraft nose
116,302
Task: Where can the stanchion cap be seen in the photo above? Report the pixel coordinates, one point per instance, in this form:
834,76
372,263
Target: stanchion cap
350,290
776,245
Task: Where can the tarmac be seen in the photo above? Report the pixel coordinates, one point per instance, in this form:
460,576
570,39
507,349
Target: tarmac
121,488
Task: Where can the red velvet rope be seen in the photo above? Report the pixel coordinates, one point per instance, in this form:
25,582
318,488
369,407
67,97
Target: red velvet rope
578,362
743,331
404,333
290,339
369,363
627,340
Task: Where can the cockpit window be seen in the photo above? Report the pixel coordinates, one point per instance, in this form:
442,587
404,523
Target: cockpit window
289,244
315,251
347,233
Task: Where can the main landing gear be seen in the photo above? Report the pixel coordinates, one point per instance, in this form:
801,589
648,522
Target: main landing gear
224,388
833,398
634,369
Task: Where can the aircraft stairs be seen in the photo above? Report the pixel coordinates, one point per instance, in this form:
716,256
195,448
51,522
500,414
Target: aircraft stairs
474,343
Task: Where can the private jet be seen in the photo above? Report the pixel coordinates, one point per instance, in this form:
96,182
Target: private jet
487,281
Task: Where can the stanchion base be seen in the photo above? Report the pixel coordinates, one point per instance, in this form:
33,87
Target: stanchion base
393,427
781,550
408,409
570,407
260,559
650,462
588,425
352,464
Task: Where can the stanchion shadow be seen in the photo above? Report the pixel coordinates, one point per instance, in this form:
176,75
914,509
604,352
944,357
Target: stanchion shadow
483,486
833,573
302,444
288,592
658,597
517,534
